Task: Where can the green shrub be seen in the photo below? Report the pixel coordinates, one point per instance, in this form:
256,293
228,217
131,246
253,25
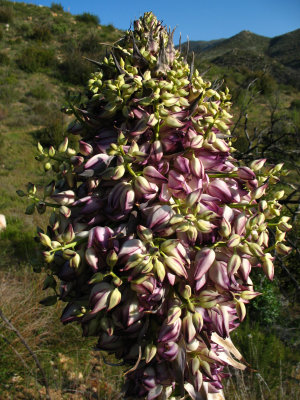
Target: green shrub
56,7
88,18
53,133
90,43
35,57
60,28
295,104
6,14
4,59
1,33
265,309
16,241
40,92
75,69
41,32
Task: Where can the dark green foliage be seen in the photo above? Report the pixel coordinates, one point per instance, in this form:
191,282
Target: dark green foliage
272,364
75,69
265,309
54,130
90,42
41,32
16,241
88,18
34,58
6,13
60,28
4,58
53,133
39,92
295,104
56,7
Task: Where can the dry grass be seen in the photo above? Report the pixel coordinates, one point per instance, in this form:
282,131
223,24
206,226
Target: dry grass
72,369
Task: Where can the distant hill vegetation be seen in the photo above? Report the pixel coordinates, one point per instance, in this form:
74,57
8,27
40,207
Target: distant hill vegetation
279,55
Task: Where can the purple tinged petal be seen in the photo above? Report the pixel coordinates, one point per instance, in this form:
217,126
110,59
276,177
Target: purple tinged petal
171,278
156,152
64,198
188,328
85,148
165,194
102,236
98,161
169,333
182,164
175,266
197,142
246,174
70,312
258,164
203,261
197,167
159,216
167,350
220,189
130,247
218,274
153,175
143,187
193,197
127,199
91,258
200,283
240,223
155,392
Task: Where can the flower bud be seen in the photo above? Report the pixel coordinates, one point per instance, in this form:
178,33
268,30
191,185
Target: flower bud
150,352
268,266
45,240
234,241
283,249
62,148
256,165
75,261
159,269
111,258
240,309
114,299
185,291
234,264
173,314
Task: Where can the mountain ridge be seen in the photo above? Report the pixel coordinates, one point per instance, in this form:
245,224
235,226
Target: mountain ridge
280,54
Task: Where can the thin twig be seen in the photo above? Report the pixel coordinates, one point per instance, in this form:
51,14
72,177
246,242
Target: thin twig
24,342
17,353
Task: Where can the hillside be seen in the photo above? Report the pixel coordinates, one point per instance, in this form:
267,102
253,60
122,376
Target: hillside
279,55
42,54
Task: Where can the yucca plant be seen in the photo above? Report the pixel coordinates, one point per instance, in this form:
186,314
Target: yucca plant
155,226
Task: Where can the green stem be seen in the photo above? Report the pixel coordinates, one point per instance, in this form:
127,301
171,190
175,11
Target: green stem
223,175
127,165
239,205
68,246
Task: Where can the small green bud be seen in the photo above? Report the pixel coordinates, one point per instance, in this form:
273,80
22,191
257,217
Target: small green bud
111,258
115,298
20,193
45,240
150,352
63,146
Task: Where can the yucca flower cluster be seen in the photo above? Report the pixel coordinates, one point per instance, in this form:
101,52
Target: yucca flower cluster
156,226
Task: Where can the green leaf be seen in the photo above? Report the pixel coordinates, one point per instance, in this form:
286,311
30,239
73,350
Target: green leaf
30,209
49,301
49,282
